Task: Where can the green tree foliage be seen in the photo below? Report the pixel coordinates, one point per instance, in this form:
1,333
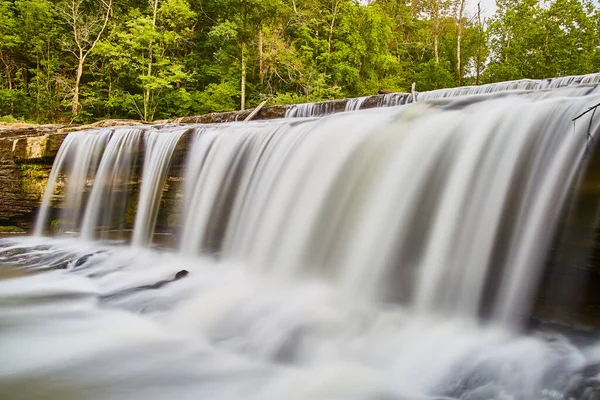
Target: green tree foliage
85,60
539,40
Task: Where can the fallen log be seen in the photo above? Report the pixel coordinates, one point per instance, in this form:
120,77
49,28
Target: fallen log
256,110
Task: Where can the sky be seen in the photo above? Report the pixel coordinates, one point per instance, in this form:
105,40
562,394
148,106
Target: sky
488,7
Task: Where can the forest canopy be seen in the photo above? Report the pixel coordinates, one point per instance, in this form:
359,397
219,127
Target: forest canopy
85,60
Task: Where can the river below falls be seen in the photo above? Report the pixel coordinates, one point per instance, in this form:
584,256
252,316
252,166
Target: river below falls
101,321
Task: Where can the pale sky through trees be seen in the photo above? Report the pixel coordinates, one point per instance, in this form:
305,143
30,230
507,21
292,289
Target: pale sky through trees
488,7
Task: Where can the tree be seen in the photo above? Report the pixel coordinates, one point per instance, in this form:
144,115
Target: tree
9,40
460,26
152,59
88,25
535,41
147,53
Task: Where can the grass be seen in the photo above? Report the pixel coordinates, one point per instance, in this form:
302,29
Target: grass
9,119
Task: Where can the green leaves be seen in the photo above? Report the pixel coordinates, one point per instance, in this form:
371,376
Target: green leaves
226,31
540,41
167,58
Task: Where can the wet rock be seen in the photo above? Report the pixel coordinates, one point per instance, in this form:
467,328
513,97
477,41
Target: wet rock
82,260
11,229
179,275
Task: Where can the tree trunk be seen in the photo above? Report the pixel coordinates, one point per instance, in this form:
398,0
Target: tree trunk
479,48
436,30
109,92
243,85
25,81
9,81
261,71
331,26
78,24
458,43
75,105
38,87
150,60
256,110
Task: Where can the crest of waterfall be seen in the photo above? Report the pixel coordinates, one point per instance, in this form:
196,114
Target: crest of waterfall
397,99
355,104
523,84
159,147
310,109
108,198
394,99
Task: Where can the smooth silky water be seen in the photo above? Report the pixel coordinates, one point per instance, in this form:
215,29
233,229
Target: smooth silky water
391,253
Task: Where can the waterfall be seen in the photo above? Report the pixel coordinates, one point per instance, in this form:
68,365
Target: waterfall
415,193
355,104
310,110
58,166
159,151
391,252
394,99
87,152
77,158
113,153
437,194
108,199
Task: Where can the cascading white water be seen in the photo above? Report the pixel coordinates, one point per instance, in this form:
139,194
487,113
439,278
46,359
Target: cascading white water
77,158
310,110
394,99
341,198
107,199
86,159
159,151
355,104
397,99
523,84
345,257
57,167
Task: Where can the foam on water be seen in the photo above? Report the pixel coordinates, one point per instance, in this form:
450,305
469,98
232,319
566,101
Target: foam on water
91,331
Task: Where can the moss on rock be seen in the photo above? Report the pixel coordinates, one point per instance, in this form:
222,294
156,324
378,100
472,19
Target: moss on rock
11,229
59,225
34,178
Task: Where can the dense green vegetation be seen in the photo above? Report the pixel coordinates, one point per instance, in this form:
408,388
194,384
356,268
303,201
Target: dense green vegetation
85,60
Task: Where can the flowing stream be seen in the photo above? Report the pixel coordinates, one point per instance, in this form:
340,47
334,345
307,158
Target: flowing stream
389,253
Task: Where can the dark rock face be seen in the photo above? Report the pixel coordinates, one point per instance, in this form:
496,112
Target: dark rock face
25,163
